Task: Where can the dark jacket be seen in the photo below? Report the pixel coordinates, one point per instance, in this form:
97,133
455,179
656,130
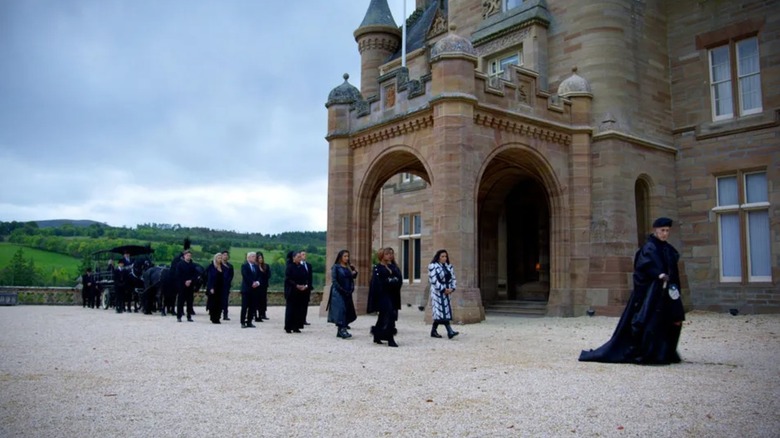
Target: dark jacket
185,271
341,308
384,292
248,277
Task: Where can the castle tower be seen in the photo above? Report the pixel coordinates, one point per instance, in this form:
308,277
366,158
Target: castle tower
378,37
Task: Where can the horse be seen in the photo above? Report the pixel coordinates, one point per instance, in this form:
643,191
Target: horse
156,284
136,284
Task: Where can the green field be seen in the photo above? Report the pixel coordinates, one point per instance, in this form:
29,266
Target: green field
45,261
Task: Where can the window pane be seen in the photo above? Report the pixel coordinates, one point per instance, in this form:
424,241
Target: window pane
729,246
417,224
747,51
727,191
755,188
405,260
719,60
758,236
513,3
417,257
510,60
750,93
721,93
405,225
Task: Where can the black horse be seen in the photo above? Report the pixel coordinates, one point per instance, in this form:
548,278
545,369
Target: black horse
160,287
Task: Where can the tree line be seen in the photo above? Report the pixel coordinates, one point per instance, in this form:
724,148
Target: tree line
166,240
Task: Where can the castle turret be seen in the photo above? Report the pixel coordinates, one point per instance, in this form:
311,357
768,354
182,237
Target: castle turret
378,37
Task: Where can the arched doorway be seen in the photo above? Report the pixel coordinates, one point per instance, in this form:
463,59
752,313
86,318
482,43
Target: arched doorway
515,209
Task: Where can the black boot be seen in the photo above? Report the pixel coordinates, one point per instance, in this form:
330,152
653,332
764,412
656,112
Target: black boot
434,330
343,333
391,342
450,332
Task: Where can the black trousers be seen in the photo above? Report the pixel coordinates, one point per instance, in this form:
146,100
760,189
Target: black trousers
293,312
248,306
186,296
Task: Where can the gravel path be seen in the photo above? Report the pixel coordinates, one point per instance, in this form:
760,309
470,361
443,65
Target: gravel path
73,372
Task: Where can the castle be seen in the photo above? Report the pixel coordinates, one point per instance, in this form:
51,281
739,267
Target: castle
536,140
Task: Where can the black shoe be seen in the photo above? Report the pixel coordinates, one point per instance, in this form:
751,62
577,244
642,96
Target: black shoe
263,317
243,325
391,343
306,323
348,328
343,333
296,331
288,330
452,333
178,319
226,319
250,325
435,334
190,319
377,340
257,320
216,322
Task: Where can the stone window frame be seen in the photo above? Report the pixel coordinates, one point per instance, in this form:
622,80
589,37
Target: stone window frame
410,246
507,5
735,78
729,38
498,58
735,238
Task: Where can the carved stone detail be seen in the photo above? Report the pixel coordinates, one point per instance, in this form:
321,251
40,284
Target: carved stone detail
499,44
439,25
388,132
490,7
495,122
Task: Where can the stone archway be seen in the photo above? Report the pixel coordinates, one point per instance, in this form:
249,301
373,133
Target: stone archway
520,222
387,164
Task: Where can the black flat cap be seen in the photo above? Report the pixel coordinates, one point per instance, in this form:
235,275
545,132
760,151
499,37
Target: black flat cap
662,222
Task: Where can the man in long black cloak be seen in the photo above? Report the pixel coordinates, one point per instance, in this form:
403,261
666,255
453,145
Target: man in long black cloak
649,329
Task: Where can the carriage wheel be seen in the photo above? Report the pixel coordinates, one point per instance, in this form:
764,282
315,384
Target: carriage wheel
106,297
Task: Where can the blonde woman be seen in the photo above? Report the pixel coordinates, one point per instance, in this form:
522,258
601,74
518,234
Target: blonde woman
215,287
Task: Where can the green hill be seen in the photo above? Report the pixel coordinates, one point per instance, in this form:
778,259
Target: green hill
55,269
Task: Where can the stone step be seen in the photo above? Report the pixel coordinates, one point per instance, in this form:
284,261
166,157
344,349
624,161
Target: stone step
517,308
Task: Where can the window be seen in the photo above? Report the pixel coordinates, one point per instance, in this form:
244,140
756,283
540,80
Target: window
411,250
407,178
747,88
497,67
511,4
743,204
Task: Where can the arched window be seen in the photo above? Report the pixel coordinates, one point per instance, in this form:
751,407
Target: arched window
642,204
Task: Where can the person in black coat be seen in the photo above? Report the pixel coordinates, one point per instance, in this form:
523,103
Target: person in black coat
341,308
120,286
250,281
215,287
186,277
229,273
384,297
295,288
88,289
649,329
307,294
262,290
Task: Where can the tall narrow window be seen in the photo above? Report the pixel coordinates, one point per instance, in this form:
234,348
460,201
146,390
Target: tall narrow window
740,58
743,205
642,207
411,248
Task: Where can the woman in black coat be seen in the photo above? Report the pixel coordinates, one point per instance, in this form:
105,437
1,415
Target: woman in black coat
341,308
262,290
215,287
294,292
649,329
384,296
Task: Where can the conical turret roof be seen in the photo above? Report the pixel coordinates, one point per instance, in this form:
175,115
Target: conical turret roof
378,14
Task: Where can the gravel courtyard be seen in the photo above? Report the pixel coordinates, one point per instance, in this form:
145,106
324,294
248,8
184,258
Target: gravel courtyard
73,372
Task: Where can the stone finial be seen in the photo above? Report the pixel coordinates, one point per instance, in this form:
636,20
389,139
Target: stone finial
345,93
574,84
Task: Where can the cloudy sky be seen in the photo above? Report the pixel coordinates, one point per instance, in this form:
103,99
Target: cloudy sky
194,112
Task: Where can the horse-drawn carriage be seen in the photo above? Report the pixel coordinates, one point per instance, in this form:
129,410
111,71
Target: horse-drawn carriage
107,272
